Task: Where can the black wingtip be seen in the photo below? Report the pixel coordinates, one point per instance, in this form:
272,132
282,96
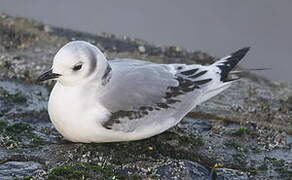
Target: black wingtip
240,53
227,64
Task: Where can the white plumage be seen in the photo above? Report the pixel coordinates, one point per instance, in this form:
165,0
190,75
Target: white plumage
95,100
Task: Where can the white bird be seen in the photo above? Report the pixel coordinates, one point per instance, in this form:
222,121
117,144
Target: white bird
95,100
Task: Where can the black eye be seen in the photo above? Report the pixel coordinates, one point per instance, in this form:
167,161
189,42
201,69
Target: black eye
77,67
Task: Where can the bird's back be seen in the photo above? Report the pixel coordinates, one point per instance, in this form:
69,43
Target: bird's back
142,94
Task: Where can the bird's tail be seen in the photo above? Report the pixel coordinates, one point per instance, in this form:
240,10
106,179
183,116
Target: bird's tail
222,67
227,63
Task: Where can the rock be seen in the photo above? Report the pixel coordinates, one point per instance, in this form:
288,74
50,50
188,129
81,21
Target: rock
247,128
230,174
18,169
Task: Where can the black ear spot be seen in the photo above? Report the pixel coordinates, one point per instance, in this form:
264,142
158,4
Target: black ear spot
77,67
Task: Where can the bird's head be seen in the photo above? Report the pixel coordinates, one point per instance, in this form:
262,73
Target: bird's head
75,63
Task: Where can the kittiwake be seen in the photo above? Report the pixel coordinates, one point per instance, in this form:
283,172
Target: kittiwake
96,100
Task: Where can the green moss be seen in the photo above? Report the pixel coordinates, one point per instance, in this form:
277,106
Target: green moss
24,178
18,134
19,128
126,152
232,144
6,64
36,141
81,171
239,132
17,98
134,176
197,141
263,167
240,159
285,173
277,162
281,168
205,116
252,171
67,172
3,125
183,140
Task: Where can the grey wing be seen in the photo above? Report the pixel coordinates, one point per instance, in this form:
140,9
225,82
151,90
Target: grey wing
135,84
140,92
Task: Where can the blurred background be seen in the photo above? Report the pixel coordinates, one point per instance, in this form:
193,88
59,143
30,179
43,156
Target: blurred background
216,27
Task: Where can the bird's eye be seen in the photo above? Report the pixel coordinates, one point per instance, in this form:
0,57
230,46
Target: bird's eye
77,67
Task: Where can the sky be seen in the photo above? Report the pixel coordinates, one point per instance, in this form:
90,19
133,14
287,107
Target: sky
216,27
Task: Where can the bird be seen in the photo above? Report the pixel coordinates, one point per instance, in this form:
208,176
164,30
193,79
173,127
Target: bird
99,100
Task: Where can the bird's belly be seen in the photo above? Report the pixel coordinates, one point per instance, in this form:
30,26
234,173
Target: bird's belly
84,125
67,120
76,121
82,121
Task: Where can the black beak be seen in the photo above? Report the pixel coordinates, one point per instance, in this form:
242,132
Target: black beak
48,75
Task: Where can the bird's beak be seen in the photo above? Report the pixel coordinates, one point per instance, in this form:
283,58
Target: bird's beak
48,75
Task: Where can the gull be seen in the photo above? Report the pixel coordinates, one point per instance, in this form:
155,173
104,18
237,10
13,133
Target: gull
96,100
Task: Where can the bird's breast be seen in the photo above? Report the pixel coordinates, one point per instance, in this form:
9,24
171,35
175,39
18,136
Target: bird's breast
75,118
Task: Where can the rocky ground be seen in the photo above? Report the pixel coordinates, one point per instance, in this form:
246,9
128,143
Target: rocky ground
244,133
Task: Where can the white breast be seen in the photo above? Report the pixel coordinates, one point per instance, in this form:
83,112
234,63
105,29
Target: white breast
79,118
75,118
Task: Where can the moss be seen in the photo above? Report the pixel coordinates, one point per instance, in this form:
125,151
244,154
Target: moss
6,64
1,113
36,141
126,152
206,116
252,171
197,141
81,171
68,172
19,134
19,128
183,140
17,98
240,131
277,162
3,125
24,178
240,159
232,144
263,167
134,176
285,173
281,168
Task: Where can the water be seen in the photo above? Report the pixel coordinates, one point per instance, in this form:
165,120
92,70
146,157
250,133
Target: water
217,27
